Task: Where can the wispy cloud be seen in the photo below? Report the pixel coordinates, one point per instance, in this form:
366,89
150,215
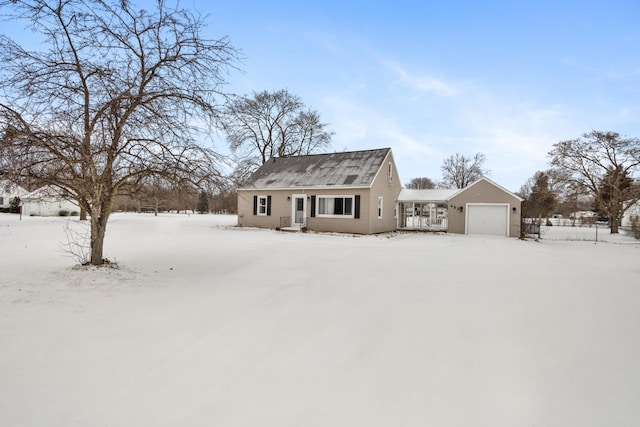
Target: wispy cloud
421,83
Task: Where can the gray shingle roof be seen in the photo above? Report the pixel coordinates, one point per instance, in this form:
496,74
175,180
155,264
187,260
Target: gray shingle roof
347,169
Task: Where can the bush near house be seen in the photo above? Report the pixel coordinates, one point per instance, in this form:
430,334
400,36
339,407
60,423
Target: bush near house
14,205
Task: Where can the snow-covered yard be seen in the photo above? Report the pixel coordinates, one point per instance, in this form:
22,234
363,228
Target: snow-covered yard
206,324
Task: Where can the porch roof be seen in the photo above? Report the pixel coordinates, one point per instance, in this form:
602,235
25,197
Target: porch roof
426,196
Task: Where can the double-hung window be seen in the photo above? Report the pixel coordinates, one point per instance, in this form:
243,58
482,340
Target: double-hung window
262,205
335,206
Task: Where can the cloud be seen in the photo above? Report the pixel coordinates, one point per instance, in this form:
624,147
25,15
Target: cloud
424,84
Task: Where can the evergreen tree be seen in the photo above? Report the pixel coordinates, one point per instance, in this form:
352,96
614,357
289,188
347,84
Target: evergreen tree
203,203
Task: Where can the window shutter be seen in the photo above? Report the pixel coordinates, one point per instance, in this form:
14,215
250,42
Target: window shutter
313,206
255,205
356,209
268,205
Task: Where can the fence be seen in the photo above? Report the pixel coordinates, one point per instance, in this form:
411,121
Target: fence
588,233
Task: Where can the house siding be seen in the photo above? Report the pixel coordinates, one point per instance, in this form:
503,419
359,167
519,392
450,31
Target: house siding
281,210
389,192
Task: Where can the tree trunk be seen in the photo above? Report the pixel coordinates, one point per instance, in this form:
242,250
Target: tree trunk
614,225
98,229
83,213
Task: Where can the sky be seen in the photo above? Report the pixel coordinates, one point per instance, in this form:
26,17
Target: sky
430,79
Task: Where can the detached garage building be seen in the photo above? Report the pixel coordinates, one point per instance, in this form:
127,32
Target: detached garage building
483,207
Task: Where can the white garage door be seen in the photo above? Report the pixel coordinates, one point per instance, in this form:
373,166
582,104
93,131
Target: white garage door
488,219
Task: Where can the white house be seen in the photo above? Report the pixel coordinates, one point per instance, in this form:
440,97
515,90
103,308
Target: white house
48,201
631,216
9,191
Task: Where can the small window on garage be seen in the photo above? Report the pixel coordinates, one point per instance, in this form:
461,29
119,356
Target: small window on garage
380,207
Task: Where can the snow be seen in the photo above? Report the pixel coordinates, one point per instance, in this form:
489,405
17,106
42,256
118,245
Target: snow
207,324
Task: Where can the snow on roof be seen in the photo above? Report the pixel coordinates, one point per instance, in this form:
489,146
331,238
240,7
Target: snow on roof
11,187
346,169
48,191
431,195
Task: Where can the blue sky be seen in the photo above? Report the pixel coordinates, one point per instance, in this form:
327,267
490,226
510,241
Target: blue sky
433,78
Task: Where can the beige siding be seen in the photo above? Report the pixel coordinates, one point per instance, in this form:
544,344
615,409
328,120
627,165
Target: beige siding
482,192
341,225
281,208
389,192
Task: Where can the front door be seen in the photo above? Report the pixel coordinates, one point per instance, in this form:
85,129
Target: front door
299,202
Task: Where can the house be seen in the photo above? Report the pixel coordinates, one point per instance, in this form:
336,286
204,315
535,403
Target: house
351,192
48,201
359,192
9,191
631,217
483,207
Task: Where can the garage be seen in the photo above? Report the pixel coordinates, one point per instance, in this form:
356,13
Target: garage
488,219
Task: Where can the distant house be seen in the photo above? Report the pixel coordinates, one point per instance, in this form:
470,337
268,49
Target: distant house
9,191
350,192
48,201
631,216
359,192
483,207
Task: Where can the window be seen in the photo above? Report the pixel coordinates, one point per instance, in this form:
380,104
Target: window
390,174
335,206
380,207
262,205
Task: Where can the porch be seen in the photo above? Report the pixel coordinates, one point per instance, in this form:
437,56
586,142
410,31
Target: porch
424,209
423,216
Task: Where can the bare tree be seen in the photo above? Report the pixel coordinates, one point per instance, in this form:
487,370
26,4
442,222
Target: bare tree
422,183
458,171
117,95
270,124
603,164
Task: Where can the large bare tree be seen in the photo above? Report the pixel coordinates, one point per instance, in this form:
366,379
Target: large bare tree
458,171
116,95
603,164
272,124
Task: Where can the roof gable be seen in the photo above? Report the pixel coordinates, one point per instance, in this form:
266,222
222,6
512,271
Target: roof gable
444,195
9,187
485,179
346,169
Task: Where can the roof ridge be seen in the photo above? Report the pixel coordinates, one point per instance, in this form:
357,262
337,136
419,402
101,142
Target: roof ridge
332,153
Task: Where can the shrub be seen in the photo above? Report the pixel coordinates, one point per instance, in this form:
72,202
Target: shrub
14,205
63,212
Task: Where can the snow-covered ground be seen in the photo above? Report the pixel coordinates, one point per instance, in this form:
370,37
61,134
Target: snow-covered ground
206,324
